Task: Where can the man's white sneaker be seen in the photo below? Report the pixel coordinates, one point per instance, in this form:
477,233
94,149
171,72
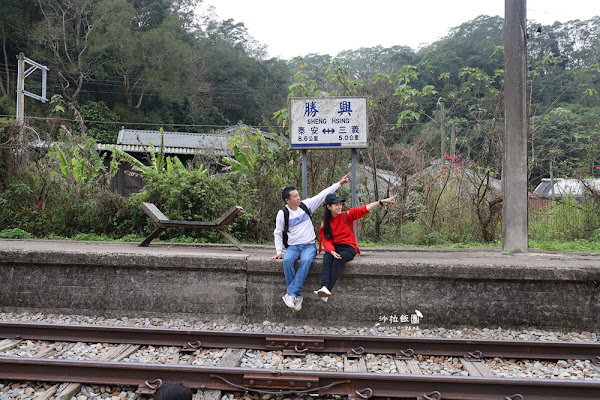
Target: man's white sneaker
323,292
324,299
298,303
289,301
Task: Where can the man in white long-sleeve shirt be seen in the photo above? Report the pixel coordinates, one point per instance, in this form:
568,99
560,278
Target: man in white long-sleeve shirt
301,240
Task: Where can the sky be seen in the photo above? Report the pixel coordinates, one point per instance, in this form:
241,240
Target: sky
293,28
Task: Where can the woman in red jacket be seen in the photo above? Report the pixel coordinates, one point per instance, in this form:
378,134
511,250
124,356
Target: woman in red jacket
337,235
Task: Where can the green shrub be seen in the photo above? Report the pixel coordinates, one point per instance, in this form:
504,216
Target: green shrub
15,233
188,196
47,203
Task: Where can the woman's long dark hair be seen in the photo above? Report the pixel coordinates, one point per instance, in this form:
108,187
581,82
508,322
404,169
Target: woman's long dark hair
327,224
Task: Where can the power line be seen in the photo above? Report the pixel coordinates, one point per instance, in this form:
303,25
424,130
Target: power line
113,80
170,124
133,123
204,93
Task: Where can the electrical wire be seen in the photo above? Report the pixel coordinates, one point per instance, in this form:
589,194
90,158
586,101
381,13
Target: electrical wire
171,124
124,123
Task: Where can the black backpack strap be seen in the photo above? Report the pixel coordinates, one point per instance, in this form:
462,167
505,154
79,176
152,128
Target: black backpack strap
306,209
286,220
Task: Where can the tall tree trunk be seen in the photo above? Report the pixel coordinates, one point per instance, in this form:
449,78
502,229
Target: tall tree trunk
373,157
4,88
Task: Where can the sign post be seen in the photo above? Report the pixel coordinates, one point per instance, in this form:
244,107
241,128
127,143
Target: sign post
328,123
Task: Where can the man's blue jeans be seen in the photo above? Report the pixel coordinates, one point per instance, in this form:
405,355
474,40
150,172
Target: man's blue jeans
295,279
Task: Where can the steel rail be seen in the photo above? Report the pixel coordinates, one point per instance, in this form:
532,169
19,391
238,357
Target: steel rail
401,346
364,385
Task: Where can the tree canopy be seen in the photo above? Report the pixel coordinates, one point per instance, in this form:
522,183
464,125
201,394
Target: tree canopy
140,62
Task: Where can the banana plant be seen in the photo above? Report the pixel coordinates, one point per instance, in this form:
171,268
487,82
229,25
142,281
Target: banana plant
84,162
136,164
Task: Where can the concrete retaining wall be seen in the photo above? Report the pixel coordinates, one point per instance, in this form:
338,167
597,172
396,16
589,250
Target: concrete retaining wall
450,289
118,285
469,295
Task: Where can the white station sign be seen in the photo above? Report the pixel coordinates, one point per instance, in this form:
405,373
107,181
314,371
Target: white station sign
328,122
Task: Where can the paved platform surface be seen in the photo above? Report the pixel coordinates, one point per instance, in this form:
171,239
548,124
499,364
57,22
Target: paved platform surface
379,255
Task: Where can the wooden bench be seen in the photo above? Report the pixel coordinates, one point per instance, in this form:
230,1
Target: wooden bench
163,223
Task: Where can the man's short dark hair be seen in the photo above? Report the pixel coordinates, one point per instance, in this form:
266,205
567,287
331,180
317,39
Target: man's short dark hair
173,391
285,193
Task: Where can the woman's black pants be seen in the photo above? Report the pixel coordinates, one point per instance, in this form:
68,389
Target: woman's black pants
332,265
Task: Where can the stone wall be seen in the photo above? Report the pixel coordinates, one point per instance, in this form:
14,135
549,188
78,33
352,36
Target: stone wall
447,295
114,285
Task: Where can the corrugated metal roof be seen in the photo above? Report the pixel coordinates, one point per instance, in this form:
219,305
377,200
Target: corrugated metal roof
208,151
565,187
171,140
388,177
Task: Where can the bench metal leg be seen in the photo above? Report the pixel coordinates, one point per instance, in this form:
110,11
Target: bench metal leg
151,237
232,240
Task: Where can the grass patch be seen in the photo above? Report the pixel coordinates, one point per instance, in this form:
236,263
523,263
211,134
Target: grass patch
580,245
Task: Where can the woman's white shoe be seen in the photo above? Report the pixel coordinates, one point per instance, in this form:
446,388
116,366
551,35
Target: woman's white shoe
323,292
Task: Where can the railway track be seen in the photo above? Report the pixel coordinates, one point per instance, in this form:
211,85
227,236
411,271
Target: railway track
353,381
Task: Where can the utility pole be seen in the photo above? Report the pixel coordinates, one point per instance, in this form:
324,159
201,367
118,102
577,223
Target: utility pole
21,90
514,168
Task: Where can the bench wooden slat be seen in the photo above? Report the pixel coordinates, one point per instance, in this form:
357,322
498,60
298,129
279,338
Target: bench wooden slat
187,224
234,213
153,212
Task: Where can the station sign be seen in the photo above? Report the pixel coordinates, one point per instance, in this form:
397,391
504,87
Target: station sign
328,122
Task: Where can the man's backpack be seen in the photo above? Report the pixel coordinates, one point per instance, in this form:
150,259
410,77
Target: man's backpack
286,219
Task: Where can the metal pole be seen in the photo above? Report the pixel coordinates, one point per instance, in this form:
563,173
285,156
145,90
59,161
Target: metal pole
353,175
21,89
453,141
304,175
443,131
514,171
552,181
